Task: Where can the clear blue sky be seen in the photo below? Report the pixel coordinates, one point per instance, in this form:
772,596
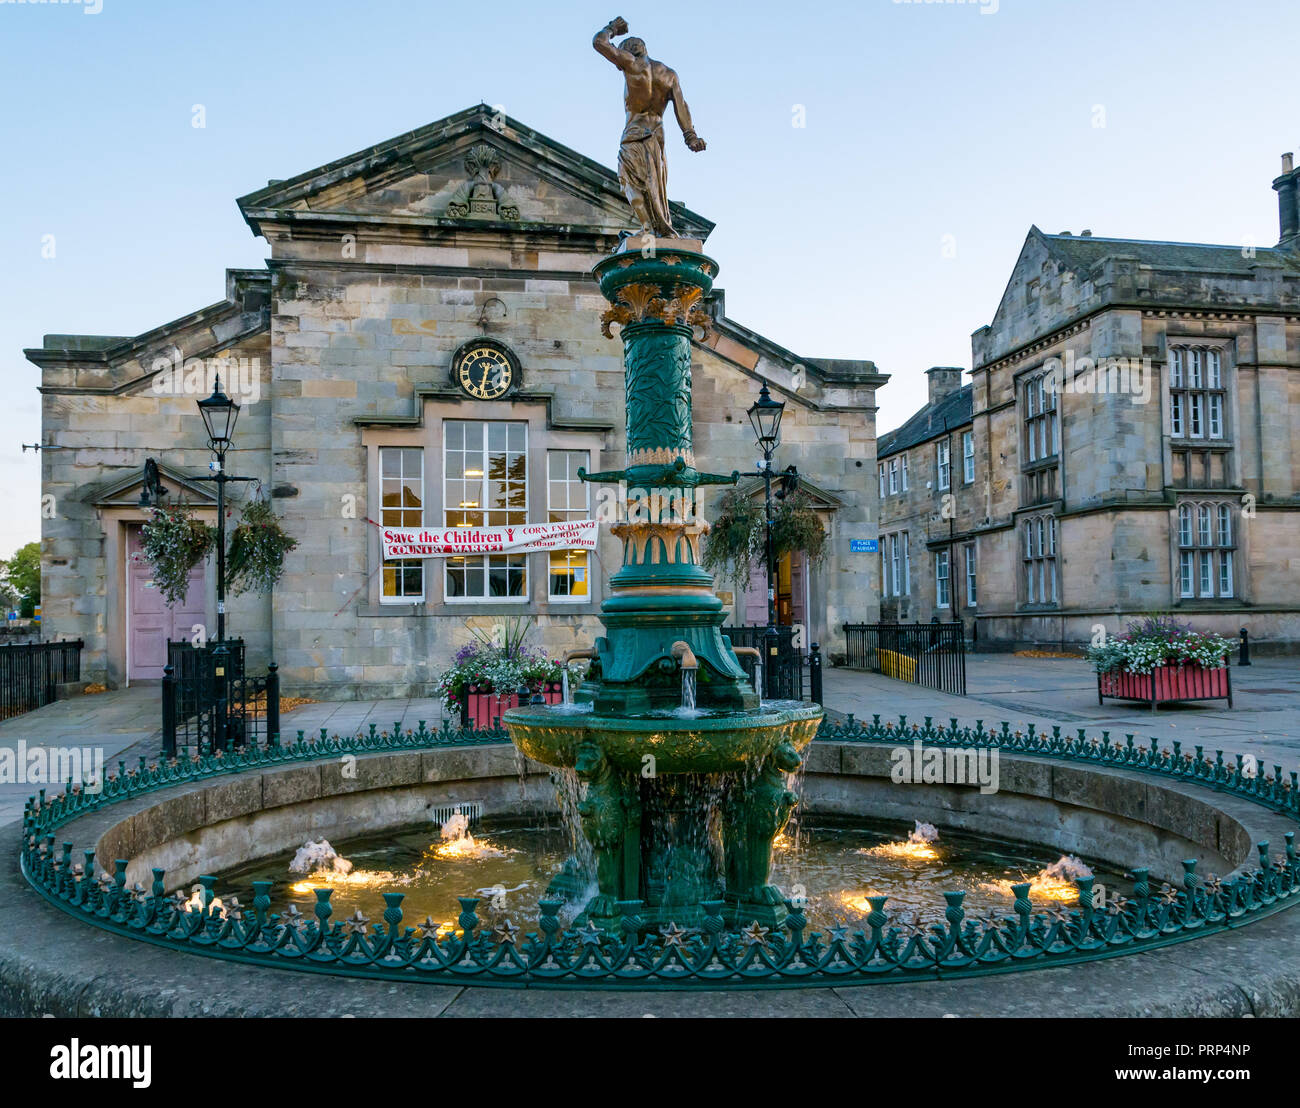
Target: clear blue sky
922,121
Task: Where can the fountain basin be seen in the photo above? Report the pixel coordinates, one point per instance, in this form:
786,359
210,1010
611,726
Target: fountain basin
682,741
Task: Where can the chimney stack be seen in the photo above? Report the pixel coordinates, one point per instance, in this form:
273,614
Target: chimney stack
943,380
1287,211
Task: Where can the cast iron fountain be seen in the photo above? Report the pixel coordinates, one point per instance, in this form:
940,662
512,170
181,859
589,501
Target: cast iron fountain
682,801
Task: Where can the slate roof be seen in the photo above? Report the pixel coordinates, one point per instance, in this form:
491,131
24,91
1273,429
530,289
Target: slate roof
946,414
1083,251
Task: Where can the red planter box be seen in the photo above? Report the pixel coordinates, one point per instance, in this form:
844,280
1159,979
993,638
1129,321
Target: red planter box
482,710
1166,684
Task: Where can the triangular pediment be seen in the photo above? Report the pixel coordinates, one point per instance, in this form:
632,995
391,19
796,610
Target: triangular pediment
477,168
818,498
123,490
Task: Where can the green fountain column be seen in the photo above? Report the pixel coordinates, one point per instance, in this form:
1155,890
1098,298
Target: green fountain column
662,597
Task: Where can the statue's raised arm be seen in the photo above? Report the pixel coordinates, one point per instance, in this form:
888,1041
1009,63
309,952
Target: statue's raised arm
606,48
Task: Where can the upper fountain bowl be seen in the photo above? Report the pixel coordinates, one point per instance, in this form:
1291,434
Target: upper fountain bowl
680,741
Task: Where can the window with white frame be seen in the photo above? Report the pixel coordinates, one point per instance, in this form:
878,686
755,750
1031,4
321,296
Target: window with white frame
942,591
968,457
882,481
969,554
906,559
904,472
401,499
893,476
897,585
1042,440
1197,395
1206,548
1041,427
567,500
485,467
1039,557
943,463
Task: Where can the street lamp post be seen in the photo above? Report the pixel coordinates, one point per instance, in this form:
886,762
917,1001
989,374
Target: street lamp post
219,415
765,417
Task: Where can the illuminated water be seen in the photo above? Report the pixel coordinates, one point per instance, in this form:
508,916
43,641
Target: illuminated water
833,867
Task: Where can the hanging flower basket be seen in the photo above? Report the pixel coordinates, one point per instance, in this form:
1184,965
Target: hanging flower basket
737,540
255,560
173,542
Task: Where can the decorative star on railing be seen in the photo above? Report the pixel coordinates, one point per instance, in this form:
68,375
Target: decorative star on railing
506,932
754,933
673,936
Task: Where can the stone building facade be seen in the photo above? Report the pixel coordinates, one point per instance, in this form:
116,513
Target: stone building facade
388,269
929,507
1136,417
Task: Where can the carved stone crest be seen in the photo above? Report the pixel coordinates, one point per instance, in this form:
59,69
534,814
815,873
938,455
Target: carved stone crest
481,197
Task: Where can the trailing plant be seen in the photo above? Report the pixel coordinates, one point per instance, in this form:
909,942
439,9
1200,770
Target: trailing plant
797,529
736,542
255,557
1159,640
173,542
730,549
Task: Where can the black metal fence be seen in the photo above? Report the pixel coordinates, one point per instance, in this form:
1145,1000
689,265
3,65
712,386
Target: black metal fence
785,679
30,673
210,702
929,654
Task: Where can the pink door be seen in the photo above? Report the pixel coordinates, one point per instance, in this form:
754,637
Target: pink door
150,622
753,604
754,599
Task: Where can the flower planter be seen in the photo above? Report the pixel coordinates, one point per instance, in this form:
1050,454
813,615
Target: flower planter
1167,684
482,708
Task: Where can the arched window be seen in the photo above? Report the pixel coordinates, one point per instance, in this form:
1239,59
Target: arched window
1040,561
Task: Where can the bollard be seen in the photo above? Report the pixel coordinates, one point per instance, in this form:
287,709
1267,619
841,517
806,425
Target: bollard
771,651
1244,659
815,674
273,705
168,713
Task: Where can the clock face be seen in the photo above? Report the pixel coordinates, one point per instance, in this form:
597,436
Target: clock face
485,372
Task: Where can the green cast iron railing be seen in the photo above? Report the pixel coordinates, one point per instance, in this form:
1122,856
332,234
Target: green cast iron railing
670,956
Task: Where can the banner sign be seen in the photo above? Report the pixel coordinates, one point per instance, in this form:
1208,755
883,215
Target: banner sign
427,542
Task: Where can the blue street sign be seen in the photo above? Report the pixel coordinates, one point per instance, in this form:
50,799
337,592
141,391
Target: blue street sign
864,546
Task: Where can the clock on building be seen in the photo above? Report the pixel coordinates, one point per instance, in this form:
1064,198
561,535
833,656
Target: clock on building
485,370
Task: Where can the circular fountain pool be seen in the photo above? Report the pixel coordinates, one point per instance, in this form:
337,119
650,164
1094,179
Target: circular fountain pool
832,867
